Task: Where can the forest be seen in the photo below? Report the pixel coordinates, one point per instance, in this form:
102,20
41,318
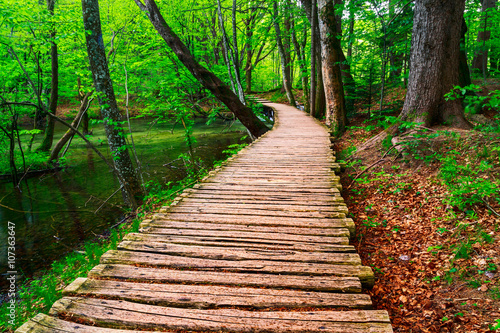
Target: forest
109,108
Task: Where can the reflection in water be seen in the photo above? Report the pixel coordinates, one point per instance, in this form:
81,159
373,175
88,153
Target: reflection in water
53,213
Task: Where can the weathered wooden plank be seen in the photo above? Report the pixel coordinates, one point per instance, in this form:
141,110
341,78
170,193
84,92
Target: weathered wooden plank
122,314
239,253
269,221
260,211
266,235
162,275
291,187
202,198
338,206
157,226
269,194
42,323
244,243
364,273
209,296
263,220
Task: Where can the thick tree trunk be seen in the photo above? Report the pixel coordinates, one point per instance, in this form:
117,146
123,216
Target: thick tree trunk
132,190
332,77
480,61
434,64
211,82
285,65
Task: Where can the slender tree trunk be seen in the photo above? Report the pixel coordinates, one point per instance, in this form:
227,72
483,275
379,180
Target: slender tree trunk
313,20
84,104
479,63
434,64
211,82
226,47
299,50
48,137
235,56
285,66
330,56
132,190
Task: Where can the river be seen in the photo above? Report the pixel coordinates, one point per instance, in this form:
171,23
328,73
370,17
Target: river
56,212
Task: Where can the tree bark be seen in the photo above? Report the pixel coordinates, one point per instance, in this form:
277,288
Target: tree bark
434,63
211,82
48,137
132,189
285,64
330,59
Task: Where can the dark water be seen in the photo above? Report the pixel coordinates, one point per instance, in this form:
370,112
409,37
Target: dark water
55,212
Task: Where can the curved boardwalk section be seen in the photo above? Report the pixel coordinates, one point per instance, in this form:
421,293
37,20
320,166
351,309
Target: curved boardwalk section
261,245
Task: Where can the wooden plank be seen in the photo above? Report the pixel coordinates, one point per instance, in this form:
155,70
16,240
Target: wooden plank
239,253
272,237
364,273
339,206
122,314
259,211
270,221
268,194
162,275
157,226
247,243
291,187
314,222
42,323
202,198
209,296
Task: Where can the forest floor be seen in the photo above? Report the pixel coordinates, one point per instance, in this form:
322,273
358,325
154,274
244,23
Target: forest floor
436,264
422,224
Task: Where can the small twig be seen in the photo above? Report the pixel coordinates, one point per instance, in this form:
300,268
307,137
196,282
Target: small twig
490,208
365,170
98,209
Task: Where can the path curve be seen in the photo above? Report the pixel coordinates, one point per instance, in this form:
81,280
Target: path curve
261,245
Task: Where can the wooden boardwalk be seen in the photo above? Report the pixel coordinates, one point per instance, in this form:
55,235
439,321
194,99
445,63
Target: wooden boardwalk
261,245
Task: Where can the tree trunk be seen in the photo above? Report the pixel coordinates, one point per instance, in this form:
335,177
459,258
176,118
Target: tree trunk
48,137
463,70
330,58
211,82
434,63
299,50
313,20
132,190
479,63
84,104
235,56
285,65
